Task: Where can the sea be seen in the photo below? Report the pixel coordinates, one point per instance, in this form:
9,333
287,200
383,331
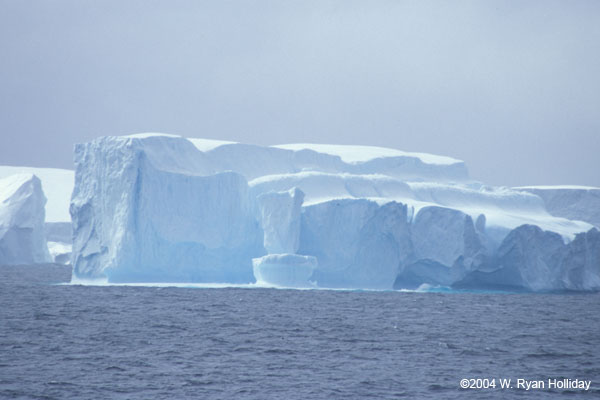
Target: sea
65,341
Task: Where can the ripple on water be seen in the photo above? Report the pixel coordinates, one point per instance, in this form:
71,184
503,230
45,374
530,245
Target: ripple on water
136,342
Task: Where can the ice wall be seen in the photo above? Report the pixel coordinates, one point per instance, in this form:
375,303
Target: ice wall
358,243
280,220
156,207
149,209
22,239
531,259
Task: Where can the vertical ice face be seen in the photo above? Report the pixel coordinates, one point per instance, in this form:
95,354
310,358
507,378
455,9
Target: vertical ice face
358,243
443,234
580,267
535,260
144,209
280,220
446,244
384,245
57,185
330,232
529,257
161,208
22,214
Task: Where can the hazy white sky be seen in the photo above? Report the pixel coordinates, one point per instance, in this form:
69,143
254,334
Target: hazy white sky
511,87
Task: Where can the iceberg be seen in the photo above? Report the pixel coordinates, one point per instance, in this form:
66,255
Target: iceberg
57,185
155,207
22,214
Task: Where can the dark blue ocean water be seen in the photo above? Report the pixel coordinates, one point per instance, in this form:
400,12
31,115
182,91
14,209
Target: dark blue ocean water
86,342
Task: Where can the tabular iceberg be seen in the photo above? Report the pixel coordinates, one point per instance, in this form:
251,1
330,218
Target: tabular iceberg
22,239
154,207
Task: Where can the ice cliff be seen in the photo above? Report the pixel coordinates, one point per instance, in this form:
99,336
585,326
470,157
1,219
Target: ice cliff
154,207
22,238
151,209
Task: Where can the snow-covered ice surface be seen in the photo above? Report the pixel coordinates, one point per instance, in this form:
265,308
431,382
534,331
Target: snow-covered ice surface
571,202
358,154
162,208
22,237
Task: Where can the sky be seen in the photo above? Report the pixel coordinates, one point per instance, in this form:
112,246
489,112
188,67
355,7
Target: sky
511,87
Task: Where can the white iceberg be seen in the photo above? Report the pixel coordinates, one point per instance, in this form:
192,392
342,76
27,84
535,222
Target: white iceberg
57,185
155,207
22,214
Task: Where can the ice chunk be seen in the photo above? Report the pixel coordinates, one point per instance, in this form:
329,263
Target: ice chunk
288,270
22,239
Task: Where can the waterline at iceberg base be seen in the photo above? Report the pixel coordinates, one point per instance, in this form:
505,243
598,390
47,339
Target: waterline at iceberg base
163,208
